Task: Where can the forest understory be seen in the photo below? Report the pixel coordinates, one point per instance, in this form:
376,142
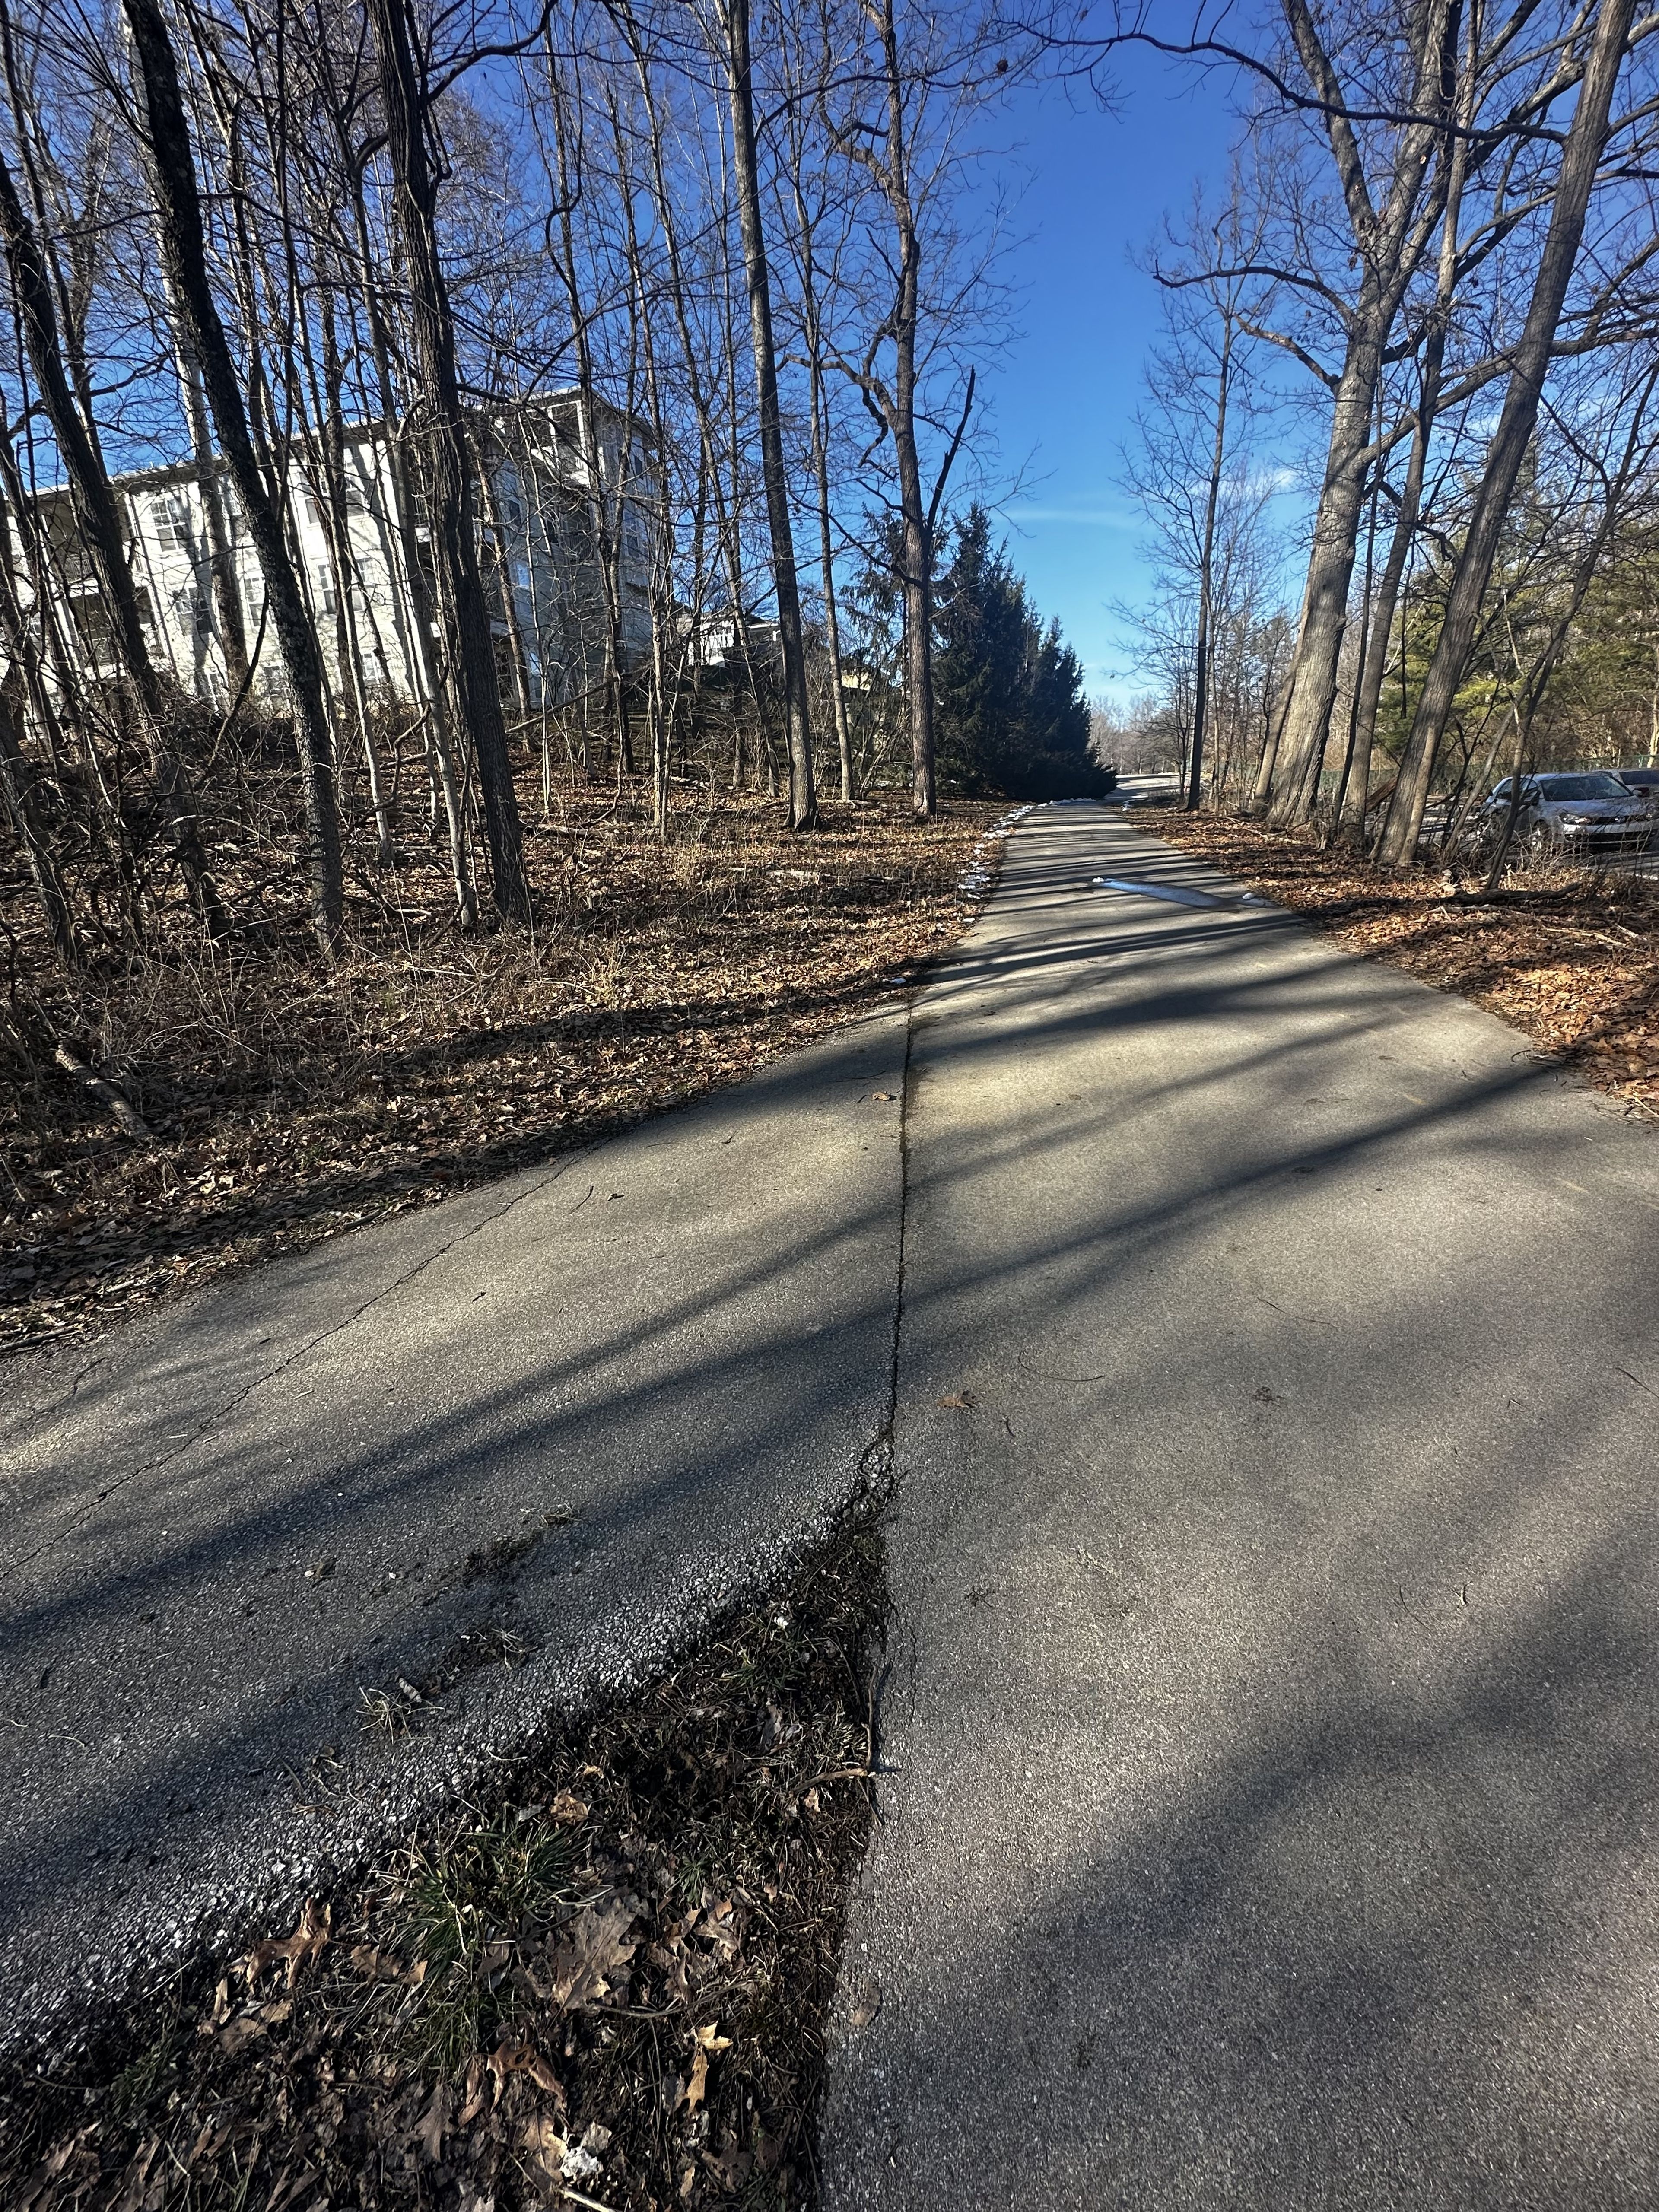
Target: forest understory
606,1981
1571,959
281,1104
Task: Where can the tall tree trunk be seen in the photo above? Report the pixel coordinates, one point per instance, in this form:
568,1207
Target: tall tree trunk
222,558
897,410
1273,730
1205,577
1579,162
412,605
803,793
454,532
664,688
1305,727
490,499
17,787
330,409
818,402
1355,804
98,524
600,520
1368,613
832,614
1389,243
711,481
230,626
183,249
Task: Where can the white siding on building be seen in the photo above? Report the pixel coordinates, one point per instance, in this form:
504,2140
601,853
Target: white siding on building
546,586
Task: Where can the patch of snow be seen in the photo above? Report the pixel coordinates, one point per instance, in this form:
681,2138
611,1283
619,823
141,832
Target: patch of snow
980,873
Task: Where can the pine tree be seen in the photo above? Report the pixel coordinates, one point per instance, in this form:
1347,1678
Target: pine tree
1011,714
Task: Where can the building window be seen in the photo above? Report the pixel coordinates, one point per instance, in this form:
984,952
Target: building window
170,516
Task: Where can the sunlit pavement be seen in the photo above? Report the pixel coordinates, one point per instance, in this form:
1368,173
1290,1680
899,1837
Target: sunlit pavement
1268,1807
513,1449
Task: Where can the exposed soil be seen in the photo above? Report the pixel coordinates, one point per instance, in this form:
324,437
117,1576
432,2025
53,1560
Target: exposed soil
605,1984
285,1104
1570,960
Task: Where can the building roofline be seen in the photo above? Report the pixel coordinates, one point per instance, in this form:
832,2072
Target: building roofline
188,473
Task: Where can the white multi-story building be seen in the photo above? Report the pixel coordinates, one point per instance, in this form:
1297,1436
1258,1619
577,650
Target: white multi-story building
543,524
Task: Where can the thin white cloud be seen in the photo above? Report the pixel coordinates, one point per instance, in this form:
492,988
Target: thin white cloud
1085,518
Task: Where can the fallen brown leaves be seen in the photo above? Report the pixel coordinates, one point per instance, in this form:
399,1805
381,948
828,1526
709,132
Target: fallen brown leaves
607,1985
308,1942
284,1105
1571,961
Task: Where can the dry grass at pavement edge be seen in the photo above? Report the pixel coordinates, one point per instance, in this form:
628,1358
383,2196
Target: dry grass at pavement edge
1572,961
606,1984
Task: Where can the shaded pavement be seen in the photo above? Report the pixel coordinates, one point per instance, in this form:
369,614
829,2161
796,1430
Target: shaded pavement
1269,1813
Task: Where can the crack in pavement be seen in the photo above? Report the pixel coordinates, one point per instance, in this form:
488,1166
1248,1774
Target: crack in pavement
876,1461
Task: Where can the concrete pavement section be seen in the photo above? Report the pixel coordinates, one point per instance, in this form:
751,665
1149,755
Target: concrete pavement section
559,1422
1270,1813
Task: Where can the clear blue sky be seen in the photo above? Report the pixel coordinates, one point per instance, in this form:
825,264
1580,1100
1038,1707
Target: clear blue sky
1097,187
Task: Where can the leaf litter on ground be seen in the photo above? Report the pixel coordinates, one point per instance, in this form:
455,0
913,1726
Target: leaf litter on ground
608,1984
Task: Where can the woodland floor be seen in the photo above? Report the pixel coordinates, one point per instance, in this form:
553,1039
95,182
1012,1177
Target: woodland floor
605,1983
1570,960
286,1104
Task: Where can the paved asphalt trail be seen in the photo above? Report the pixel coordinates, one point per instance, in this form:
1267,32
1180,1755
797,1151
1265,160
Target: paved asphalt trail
582,1409
1270,1731
1270,1814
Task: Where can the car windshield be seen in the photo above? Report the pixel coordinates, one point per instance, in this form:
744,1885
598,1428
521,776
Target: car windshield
1582,787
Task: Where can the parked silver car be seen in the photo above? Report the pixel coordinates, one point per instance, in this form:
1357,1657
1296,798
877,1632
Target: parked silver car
1572,817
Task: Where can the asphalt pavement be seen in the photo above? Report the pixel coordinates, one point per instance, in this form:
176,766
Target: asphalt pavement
1269,1810
509,1453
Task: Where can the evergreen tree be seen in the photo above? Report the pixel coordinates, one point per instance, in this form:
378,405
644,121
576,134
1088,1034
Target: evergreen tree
1011,716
